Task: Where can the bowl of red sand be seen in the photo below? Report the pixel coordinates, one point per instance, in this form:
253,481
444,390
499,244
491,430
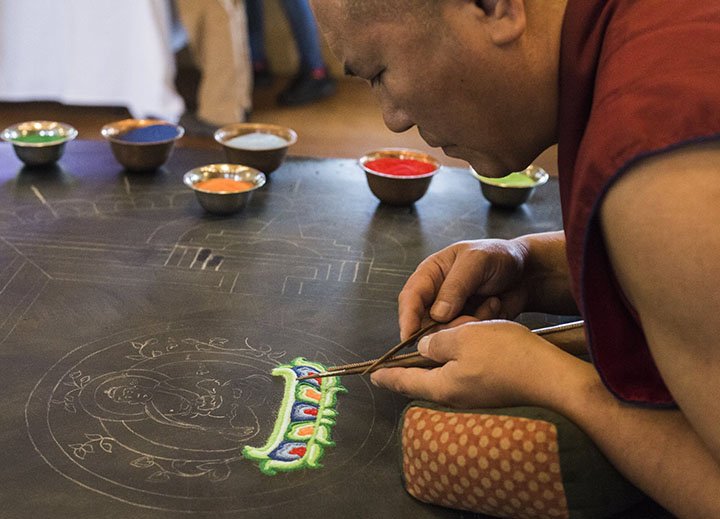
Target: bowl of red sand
399,176
512,190
257,145
142,144
224,188
39,143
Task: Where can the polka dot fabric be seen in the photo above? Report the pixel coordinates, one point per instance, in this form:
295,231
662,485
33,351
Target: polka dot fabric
505,466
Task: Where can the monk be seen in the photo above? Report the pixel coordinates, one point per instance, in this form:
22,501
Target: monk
628,91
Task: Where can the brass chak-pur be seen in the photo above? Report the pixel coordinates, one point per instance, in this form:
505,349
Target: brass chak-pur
415,359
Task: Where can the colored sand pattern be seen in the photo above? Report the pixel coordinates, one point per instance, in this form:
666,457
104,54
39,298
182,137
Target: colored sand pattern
400,167
38,138
224,185
302,429
152,133
512,180
257,141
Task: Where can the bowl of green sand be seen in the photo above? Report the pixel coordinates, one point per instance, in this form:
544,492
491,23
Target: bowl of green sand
39,143
257,145
512,190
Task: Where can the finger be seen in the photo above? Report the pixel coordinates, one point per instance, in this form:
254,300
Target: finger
441,346
409,319
458,321
491,308
415,298
461,282
463,319
416,383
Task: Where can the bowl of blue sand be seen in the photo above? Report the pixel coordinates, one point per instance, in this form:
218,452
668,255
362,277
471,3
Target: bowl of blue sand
142,144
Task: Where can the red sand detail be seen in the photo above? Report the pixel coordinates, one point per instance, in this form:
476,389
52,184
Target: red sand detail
298,451
400,167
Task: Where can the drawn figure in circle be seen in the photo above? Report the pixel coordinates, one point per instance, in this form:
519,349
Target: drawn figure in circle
130,394
224,407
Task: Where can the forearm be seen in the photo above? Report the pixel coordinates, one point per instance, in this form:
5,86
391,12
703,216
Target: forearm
547,274
655,449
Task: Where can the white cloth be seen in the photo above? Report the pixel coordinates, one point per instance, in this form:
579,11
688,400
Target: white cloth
90,52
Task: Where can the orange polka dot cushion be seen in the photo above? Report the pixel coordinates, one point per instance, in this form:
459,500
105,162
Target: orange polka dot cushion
515,462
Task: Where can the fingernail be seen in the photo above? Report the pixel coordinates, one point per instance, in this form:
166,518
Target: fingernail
441,310
494,305
423,345
374,382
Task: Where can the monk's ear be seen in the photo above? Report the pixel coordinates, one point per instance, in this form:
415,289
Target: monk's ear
505,19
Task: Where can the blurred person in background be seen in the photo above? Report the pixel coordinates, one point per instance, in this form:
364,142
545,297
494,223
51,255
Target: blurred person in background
312,81
217,34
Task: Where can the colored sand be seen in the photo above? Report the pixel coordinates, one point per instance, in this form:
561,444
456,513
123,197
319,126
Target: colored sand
512,180
400,167
226,185
257,141
38,138
152,133
304,423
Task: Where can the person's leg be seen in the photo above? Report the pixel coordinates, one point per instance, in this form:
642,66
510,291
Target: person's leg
312,82
217,32
255,16
262,77
242,56
305,31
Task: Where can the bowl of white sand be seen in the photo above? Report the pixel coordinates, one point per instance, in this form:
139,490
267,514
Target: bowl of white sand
257,145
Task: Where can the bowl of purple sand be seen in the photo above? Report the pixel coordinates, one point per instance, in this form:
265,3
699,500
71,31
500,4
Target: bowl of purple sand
257,145
142,144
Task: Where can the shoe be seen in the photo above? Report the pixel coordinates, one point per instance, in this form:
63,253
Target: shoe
306,89
262,77
196,127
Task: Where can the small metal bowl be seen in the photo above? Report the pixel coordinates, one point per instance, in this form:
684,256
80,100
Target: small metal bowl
223,202
39,143
395,189
506,191
266,160
145,155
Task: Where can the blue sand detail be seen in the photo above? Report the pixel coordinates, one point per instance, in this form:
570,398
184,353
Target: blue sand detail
302,412
303,371
152,133
284,451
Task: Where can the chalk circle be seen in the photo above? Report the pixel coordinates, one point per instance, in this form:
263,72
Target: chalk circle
157,417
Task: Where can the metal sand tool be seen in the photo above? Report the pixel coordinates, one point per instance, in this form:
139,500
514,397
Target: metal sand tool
414,359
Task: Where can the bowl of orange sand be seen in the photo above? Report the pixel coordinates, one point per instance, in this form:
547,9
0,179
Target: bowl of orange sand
224,188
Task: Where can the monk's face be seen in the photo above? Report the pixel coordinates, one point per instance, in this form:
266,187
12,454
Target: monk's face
448,76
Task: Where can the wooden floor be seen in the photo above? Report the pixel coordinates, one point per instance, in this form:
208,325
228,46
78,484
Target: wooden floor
345,125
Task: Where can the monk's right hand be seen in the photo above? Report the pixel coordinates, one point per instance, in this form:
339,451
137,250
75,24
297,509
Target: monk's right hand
482,278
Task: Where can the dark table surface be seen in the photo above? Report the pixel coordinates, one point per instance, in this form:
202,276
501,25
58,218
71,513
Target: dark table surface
106,273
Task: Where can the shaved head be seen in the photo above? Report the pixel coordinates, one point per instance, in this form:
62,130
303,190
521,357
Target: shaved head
424,12
476,78
388,9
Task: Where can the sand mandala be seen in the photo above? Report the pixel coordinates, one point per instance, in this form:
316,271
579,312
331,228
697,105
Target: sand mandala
180,417
302,429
